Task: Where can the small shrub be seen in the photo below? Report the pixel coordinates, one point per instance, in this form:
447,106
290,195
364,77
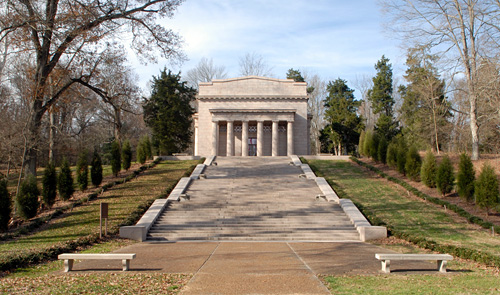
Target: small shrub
148,147
487,188
361,143
49,185
382,150
413,163
445,176
374,147
126,155
82,171
65,181
5,205
96,169
392,155
141,153
116,157
367,143
429,170
27,200
401,156
465,178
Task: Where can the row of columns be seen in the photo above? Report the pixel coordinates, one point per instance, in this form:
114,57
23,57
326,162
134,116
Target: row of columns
260,138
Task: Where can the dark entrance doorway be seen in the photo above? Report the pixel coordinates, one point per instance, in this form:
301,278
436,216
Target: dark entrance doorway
252,146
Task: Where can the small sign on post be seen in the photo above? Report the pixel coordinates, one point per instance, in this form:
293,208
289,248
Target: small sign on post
104,215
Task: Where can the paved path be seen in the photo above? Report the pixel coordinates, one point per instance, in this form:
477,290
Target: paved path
255,267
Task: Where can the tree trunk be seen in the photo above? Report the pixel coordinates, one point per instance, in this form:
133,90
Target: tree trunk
118,125
474,128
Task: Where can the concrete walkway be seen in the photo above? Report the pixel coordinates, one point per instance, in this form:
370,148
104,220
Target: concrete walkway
255,267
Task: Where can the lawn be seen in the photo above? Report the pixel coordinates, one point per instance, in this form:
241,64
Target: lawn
405,213
84,220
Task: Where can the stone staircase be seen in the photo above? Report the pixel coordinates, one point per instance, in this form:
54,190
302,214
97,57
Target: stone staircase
253,199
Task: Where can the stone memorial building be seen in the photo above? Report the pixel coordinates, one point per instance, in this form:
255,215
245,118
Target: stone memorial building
252,116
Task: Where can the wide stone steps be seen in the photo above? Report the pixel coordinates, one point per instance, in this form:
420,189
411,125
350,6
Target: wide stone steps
255,200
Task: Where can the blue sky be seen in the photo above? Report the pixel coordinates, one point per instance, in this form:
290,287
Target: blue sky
331,38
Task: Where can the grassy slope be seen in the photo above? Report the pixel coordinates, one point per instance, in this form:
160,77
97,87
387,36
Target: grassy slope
84,220
393,206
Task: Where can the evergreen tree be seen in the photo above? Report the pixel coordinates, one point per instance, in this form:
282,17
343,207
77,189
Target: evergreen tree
65,181
126,155
5,205
465,178
141,152
401,156
382,150
49,185
424,111
296,76
168,112
487,192
429,170
445,176
368,143
148,148
341,114
116,158
382,100
361,143
392,155
27,200
374,147
96,169
413,163
82,171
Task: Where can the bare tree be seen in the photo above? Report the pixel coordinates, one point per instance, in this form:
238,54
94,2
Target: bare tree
316,107
253,64
364,83
462,30
67,33
205,71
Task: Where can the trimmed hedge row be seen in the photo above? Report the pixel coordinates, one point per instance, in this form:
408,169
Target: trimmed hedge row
21,260
462,252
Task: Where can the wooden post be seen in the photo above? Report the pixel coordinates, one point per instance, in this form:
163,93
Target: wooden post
104,214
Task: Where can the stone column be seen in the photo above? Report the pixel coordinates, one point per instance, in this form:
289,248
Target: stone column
230,139
289,138
244,138
260,138
215,127
275,140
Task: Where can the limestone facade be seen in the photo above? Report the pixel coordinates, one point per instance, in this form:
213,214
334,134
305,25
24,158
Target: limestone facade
252,116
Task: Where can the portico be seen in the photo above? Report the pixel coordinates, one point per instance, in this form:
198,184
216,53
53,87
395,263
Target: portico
252,116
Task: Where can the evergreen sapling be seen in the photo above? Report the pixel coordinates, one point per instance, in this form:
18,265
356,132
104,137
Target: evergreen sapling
27,200
49,185
465,178
445,176
96,169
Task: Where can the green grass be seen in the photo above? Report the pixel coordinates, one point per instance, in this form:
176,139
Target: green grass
392,205
84,220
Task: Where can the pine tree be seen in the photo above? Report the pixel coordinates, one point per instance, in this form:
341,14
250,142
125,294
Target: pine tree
82,171
487,192
96,169
465,178
65,181
141,152
428,172
49,185
367,143
116,158
126,155
148,148
5,205
168,112
413,163
374,147
27,200
445,176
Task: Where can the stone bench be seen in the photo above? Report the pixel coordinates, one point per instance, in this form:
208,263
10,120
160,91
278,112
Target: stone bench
70,257
440,258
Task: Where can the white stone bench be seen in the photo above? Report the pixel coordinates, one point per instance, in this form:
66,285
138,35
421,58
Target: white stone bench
70,257
440,258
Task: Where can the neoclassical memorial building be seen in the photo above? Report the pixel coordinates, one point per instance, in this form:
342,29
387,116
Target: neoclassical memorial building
252,116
